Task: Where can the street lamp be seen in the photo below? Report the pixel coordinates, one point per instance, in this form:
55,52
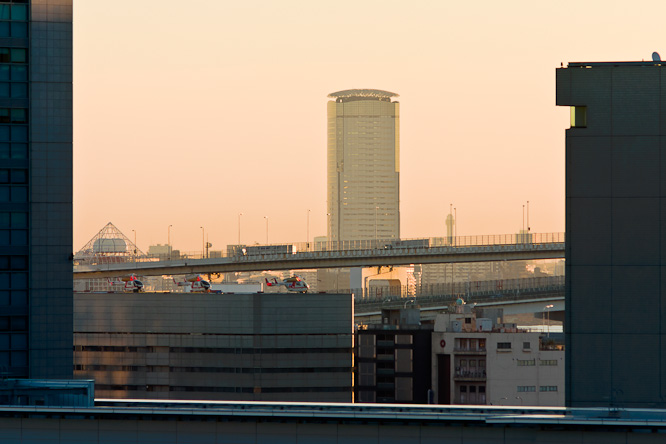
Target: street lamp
134,231
239,216
455,225
307,236
266,217
169,240
547,310
203,243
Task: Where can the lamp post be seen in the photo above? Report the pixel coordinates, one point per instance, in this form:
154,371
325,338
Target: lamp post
455,226
169,240
239,218
307,234
547,310
134,231
203,243
329,230
266,217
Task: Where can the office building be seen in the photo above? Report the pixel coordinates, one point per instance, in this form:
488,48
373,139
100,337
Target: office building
363,166
393,359
615,322
36,189
237,347
478,359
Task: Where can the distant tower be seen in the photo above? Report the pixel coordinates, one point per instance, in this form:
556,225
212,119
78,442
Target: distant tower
450,223
363,184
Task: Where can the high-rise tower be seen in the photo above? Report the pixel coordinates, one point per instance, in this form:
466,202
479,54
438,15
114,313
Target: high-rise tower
363,184
36,188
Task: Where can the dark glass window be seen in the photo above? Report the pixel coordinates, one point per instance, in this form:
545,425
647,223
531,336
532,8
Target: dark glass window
4,28
4,151
4,262
19,359
4,280
19,12
20,298
19,176
19,194
18,55
19,151
4,220
19,262
4,194
19,323
19,90
4,115
4,12
19,73
19,134
19,220
4,297
4,237
19,281
4,90
4,176
19,115
4,72
20,237
19,29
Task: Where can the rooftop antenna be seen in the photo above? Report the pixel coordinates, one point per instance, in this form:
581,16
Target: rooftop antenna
655,57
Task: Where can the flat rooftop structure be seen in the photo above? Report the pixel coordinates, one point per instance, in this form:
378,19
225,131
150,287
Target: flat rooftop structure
593,64
132,421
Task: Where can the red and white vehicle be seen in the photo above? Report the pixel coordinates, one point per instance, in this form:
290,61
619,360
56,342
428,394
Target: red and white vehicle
294,283
130,282
196,283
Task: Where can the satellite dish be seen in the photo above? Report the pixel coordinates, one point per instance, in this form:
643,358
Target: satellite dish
655,57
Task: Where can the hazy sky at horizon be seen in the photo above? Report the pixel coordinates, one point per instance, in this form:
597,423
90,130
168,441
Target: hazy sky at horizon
189,113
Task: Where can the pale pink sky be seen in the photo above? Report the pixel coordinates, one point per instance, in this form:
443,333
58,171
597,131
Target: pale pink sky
191,112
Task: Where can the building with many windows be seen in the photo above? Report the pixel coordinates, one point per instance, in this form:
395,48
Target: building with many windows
36,188
481,360
363,166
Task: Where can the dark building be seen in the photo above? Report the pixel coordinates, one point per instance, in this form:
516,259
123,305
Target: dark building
615,324
392,359
36,189
234,347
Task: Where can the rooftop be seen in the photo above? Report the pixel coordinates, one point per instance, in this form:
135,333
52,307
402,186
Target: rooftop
363,93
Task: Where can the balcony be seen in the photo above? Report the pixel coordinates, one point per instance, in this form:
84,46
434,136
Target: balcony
469,375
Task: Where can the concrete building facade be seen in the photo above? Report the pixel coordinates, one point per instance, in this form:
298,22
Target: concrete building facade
36,189
254,347
482,361
363,166
615,322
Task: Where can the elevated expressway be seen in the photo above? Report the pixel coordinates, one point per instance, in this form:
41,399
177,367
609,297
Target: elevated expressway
545,246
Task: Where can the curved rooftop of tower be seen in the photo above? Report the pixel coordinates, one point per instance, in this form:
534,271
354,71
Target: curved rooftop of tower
363,94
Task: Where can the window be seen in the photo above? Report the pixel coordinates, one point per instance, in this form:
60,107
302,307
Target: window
503,346
579,117
547,361
525,362
526,346
548,388
526,388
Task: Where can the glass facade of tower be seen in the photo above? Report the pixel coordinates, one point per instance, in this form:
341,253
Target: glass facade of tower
36,188
363,183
